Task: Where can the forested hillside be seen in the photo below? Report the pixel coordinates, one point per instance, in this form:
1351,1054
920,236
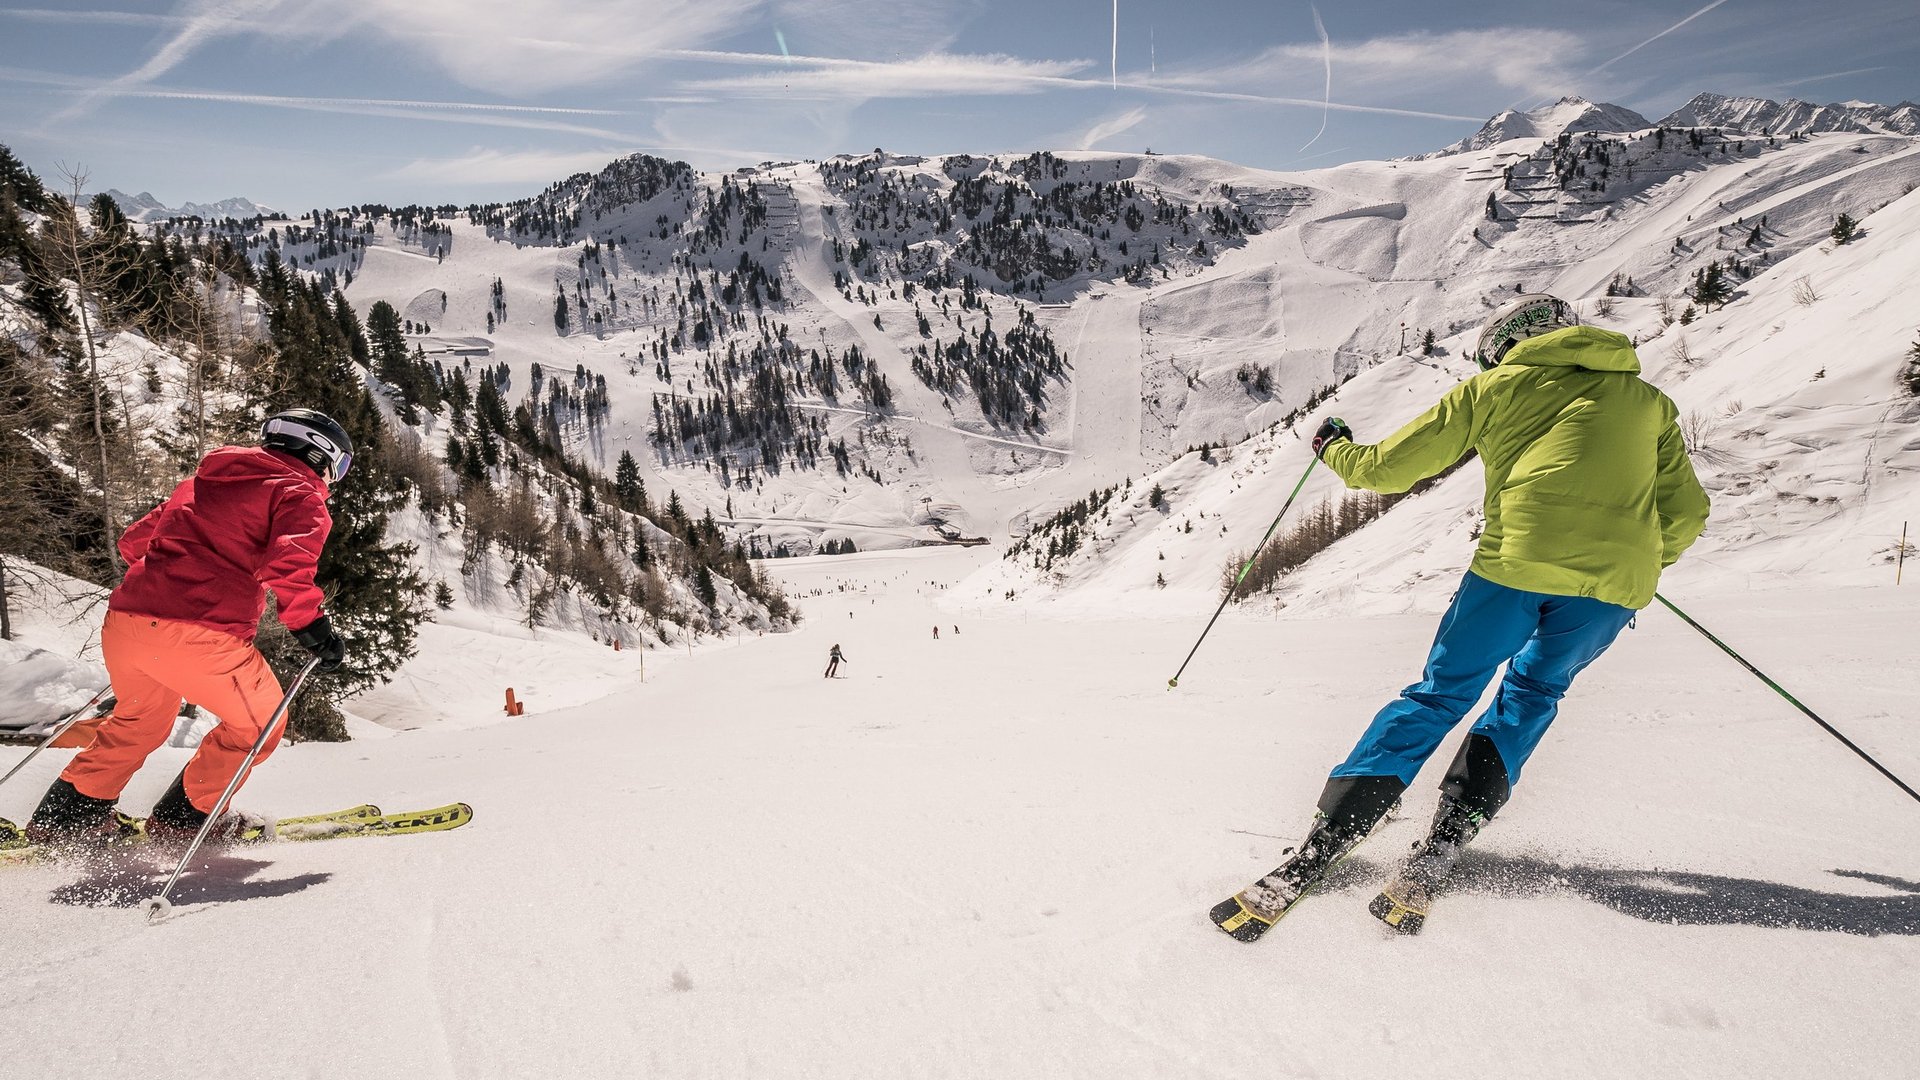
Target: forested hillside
128,352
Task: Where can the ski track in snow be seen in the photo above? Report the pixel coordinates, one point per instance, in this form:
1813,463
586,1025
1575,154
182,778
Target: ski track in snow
992,855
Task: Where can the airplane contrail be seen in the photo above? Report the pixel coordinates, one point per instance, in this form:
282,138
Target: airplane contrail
1661,34
1326,53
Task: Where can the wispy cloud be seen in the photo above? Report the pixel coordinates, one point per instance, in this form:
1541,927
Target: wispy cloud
97,18
1326,54
933,75
940,75
1420,66
1111,126
506,166
493,114
204,20
503,46
1293,102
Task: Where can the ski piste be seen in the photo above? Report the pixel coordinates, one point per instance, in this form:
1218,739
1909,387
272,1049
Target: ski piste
363,820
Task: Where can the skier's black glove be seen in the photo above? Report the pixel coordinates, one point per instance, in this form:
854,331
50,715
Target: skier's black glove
1331,431
318,638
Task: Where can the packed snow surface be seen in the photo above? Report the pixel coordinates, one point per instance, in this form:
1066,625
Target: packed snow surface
991,855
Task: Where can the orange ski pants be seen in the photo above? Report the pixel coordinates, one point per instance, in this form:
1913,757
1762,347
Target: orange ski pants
154,664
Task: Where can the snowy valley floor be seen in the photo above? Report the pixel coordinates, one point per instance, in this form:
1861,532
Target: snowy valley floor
991,856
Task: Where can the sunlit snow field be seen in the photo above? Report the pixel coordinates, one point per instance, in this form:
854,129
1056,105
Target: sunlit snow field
991,855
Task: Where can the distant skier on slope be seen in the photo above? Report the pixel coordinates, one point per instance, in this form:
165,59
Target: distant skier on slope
936,631
181,625
1589,496
833,661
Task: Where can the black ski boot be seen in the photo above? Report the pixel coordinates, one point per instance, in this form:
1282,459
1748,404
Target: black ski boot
175,820
1349,809
1475,789
67,818
1403,904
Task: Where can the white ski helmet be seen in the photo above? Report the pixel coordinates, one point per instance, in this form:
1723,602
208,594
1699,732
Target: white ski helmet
1520,318
313,437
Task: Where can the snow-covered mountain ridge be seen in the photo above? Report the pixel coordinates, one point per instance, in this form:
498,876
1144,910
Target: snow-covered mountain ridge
825,351
1569,114
146,209
1794,117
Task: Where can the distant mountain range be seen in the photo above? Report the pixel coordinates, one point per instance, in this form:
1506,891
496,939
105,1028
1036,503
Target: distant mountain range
144,208
1758,116
1795,117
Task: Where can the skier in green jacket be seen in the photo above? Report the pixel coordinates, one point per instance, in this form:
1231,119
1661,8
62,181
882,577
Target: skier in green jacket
1589,496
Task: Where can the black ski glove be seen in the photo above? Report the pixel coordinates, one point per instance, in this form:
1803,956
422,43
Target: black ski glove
1331,431
318,638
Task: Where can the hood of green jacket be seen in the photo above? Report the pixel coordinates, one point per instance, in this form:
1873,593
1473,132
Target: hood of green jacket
1586,347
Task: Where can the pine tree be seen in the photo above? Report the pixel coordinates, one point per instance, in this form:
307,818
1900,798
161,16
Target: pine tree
1710,287
1912,375
703,587
1427,343
628,488
387,348
374,598
642,554
1845,228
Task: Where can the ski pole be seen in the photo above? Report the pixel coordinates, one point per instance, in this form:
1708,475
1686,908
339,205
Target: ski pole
159,908
1795,702
1242,576
59,730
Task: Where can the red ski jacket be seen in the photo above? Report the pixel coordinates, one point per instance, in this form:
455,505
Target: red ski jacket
248,520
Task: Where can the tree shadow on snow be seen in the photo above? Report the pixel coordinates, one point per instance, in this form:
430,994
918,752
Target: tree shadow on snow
1685,898
128,883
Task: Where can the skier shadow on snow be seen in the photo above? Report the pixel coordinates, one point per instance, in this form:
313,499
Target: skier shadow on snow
212,879
1686,898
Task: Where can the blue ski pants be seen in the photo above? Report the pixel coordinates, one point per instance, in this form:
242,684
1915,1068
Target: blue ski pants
1544,640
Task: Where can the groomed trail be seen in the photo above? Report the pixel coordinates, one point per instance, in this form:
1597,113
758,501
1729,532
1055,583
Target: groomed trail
991,855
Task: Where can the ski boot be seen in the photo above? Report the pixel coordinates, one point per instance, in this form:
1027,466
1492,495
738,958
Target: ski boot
1476,786
175,821
67,819
1403,904
1349,810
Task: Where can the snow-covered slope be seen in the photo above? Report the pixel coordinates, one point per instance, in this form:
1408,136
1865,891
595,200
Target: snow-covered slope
1793,116
991,855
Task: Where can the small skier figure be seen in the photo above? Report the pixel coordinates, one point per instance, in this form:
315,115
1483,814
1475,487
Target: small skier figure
833,662
936,631
181,625
1589,497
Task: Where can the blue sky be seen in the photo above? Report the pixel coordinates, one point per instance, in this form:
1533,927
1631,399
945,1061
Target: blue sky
299,103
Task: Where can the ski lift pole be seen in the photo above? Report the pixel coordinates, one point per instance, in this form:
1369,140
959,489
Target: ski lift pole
58,730
159,907
1242,576
1791,700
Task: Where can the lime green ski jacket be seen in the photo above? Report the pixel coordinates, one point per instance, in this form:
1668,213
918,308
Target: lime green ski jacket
1589,490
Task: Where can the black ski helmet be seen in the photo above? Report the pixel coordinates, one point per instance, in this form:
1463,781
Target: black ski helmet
1521,318
313,437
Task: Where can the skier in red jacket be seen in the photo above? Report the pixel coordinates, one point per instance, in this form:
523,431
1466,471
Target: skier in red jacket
181,624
